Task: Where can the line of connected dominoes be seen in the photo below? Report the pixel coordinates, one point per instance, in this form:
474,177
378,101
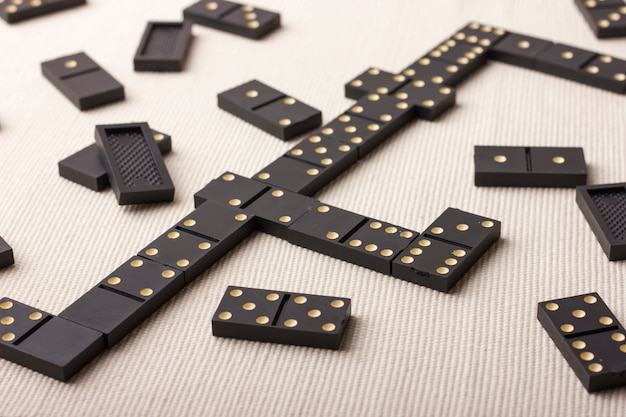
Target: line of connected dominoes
276,201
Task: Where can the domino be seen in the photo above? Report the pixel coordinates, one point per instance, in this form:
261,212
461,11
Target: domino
16,11
427,99
529,166
564,61
519,50
295,175
607,18
248,21
604,208
436,71
44,343
278,209
230,189
357,131
281,317
6,254
382,109
376,81
589,337
466,56
448,248
606,72
86,168
125,298
83,81
270,110
200,239
479,35
134,164
163,47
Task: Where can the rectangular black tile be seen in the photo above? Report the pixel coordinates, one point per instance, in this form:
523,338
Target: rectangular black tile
357,131
230,189
374,80
607,18
163,47
18,10
427,99
520,50
6,254
564,61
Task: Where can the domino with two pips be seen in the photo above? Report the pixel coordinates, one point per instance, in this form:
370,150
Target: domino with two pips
83,81
282,317
448,248
18,10
604,208
163,47
516,166
607,18
134,164
6,254
51,345
269,109
244,20
85,167
590,338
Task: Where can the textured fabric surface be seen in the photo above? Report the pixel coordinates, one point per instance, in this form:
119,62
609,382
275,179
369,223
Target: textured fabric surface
409,350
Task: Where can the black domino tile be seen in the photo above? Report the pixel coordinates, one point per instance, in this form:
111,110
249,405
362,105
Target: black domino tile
83,81
46,344
519,50
479,34
220,223
428,100
231,17
16,11
163,47
436,71
281,317
466,56
287,118
375,244
125,298
529,166
564,61
6,254
447,249
243,99
295,175
323,151
607,73
604,208
382,109
134,164
589,337
359,132
278,209
324,229
85,167
374,80
231,189
607,19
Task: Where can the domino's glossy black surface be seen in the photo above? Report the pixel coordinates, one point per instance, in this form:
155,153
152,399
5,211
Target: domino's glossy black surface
605,72
278,209
428,100
287,118
134,164
243,99
479,34
446,249
219,223
374,80
590,338
295,175
517,49
375,244
83,81
230,189
85,167
6,254
466,56
604,208
529,166
324,151
280,317
357,131
436,71
607,18
41,342
382,109
163,47
231,17
125,298
17,11
324,228
564,61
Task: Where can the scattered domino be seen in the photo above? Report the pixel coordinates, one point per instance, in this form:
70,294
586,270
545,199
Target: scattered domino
604,208
248,21
17,11
6,254
270,110
589,337
282,317
83,81
607,18
163,47
134,164
514,166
